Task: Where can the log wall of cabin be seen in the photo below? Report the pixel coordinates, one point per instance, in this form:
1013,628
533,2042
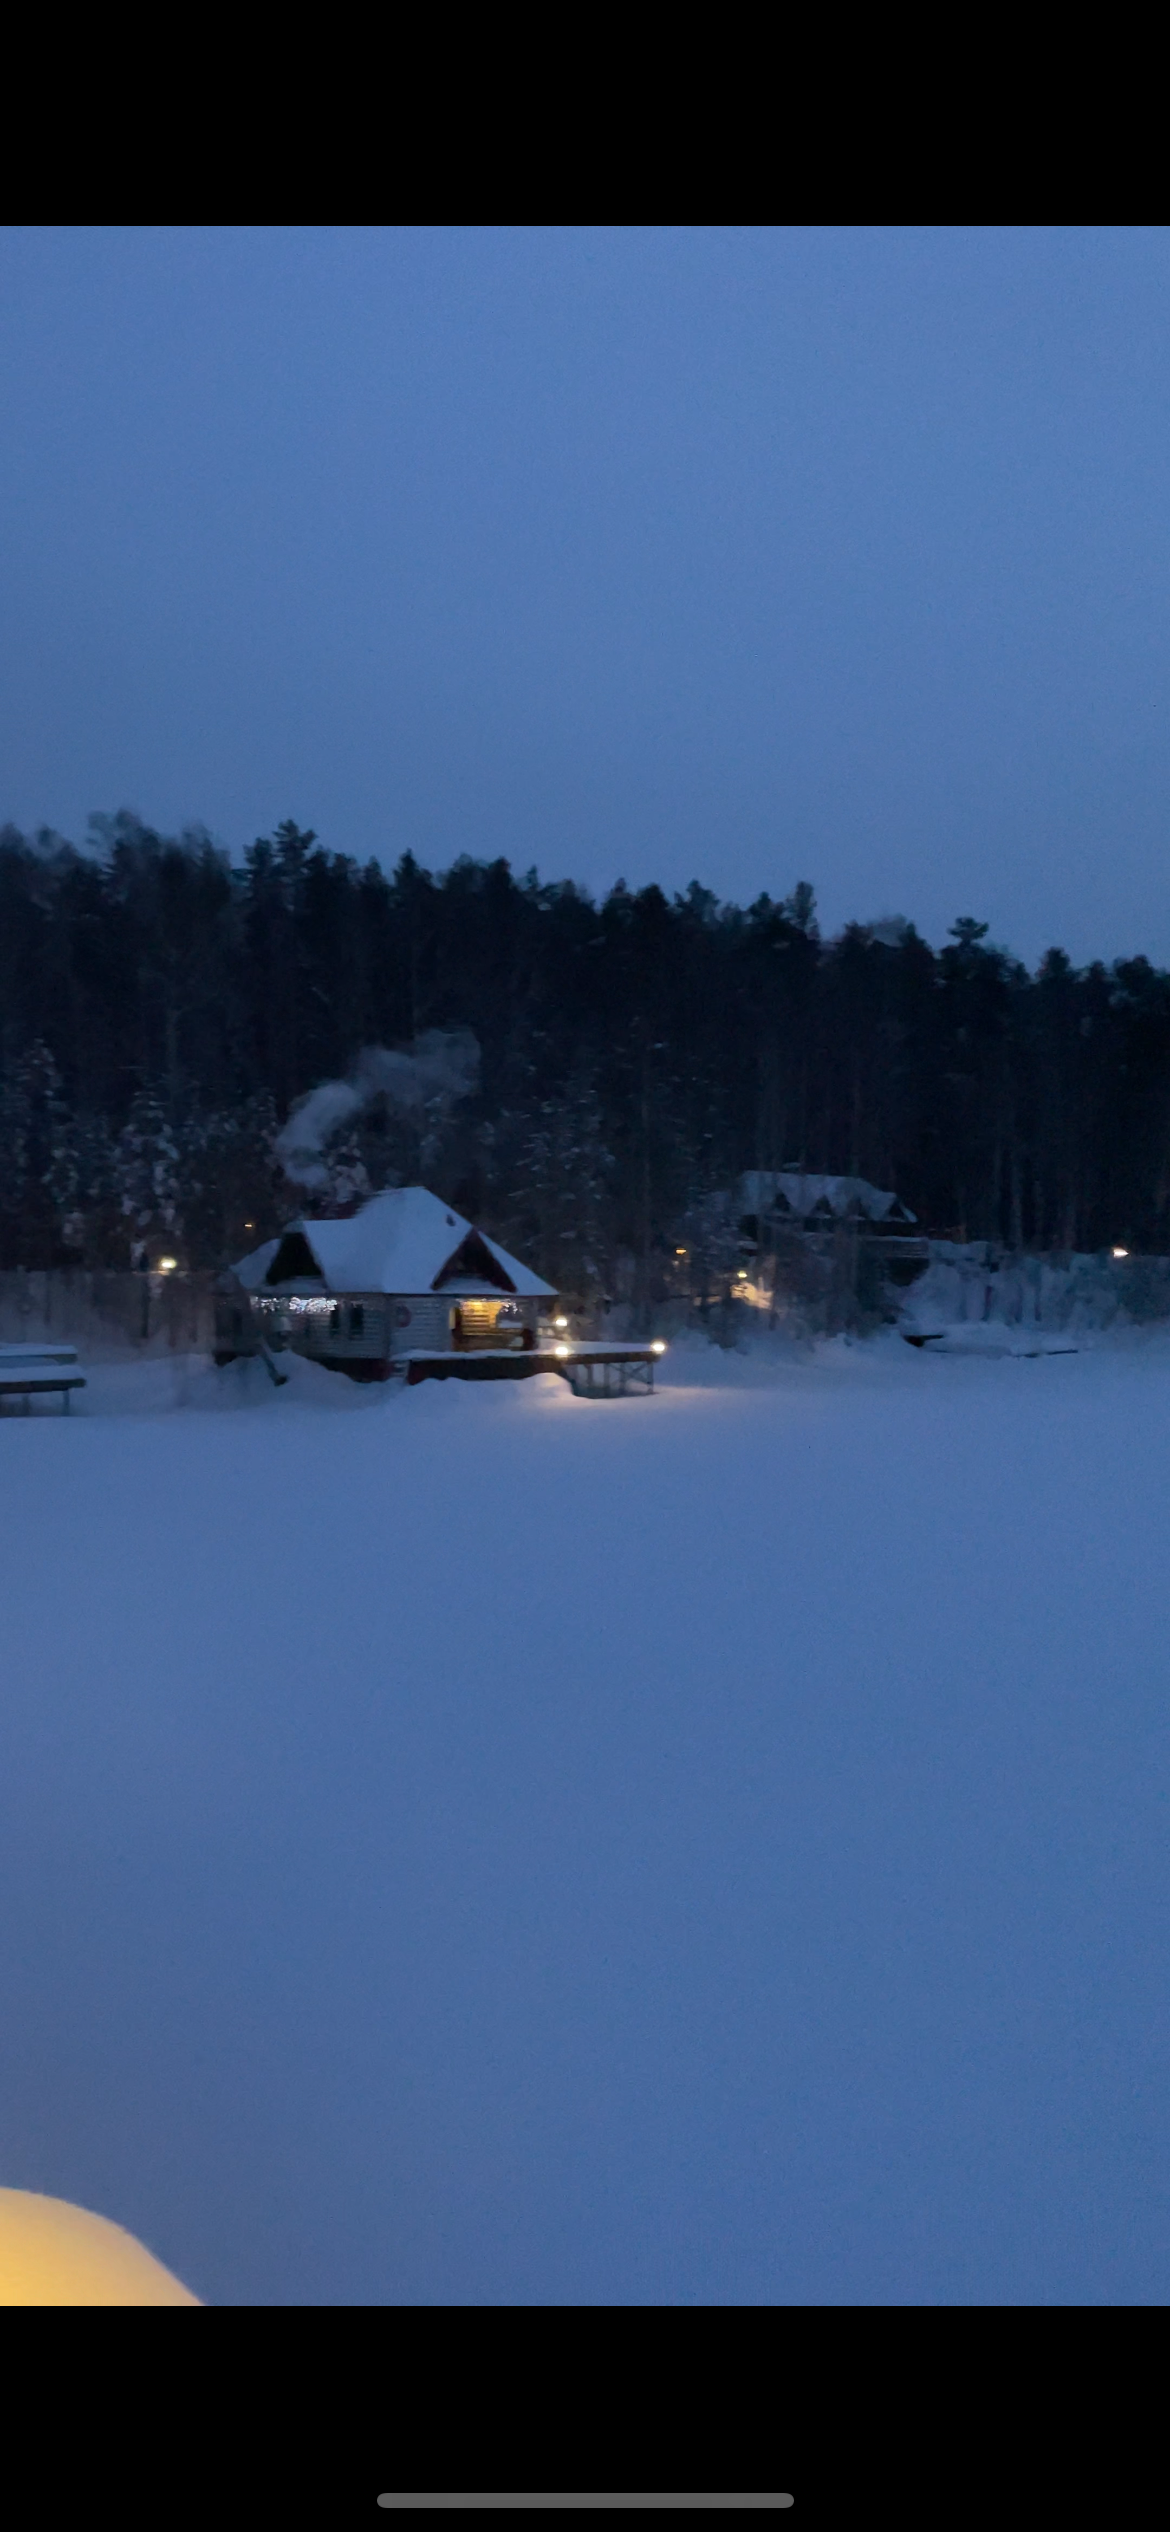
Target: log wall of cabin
428,1327
332,1332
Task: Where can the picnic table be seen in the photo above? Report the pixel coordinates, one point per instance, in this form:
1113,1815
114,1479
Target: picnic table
30,1371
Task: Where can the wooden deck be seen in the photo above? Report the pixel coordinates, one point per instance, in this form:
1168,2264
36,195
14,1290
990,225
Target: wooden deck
592,1371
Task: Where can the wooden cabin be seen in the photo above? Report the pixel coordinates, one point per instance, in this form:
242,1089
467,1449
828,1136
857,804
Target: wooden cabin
776,1202
800,1200
404,1274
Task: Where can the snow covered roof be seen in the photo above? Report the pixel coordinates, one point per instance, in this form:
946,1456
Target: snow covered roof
406,1241
251,1270
803,1193
22,1355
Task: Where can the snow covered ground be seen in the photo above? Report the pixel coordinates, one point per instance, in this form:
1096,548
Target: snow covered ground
479,1846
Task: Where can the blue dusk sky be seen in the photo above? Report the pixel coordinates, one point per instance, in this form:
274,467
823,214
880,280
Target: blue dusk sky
736,554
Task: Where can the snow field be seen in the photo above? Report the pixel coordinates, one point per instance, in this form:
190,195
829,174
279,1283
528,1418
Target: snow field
479,1846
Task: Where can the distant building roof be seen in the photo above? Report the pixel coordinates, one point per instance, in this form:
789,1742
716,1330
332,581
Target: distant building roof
406,1241
803,1193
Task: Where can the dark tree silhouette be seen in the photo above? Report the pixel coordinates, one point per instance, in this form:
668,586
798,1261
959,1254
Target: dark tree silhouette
161,1010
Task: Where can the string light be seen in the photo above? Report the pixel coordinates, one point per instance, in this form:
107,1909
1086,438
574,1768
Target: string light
290,1301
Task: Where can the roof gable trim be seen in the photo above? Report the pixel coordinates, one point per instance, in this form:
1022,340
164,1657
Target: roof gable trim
472,1258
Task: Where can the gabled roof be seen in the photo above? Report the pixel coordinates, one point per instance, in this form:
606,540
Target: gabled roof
407,1241
802,1193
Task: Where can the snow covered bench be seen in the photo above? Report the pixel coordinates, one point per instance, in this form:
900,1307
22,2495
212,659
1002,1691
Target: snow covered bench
28,1371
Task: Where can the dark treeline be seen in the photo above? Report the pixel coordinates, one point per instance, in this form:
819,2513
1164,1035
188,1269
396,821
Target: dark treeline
162,1009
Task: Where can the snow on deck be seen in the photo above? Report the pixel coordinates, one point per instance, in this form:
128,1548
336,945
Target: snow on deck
19,1355
462,1847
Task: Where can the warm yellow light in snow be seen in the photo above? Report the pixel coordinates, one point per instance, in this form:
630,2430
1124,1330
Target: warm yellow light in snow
658,1347
560,1323
560,1349
1121,1252
51,2252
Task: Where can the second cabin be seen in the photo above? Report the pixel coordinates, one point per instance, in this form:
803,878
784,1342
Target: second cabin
405,1274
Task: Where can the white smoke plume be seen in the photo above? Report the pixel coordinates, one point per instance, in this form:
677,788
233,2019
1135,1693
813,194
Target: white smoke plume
426,1078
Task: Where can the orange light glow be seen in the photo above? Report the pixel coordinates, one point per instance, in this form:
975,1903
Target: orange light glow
51,2252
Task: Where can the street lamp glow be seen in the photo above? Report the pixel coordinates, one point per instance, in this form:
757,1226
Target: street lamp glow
658,1347
560,1323
167,1265
562,1350
1121,1252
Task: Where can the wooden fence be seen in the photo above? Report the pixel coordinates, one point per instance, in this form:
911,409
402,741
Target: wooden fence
108,1316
